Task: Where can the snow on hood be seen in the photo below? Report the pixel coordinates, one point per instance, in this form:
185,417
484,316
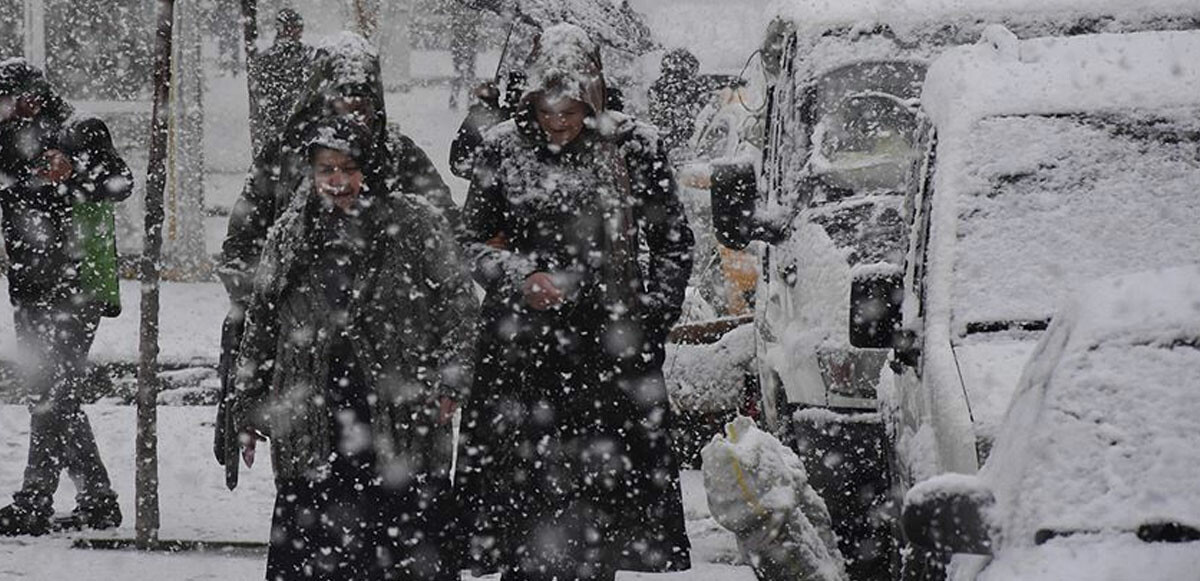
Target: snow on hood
354,59
1102,433
566,63
1063,75
1159,307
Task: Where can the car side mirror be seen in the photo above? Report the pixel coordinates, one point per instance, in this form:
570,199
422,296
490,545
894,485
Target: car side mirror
734,192
875,301
950,513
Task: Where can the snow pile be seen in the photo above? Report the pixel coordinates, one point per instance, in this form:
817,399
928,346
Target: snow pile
1102,433
709,378
758,489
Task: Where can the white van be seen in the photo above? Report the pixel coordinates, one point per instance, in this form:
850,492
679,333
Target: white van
1056,161
844,166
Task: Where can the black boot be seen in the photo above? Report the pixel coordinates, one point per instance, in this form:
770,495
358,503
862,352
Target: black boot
98,513
16,520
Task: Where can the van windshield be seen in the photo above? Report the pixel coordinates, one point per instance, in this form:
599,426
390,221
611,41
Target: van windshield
1045,203
865,133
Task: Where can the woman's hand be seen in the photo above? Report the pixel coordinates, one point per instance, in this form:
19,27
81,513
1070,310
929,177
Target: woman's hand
446,408
540,292
249,438
55,167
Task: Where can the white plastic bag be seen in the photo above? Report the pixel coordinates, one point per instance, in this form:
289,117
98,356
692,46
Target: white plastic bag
758,489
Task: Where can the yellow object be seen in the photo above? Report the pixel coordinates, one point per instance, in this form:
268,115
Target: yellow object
740,270
747,494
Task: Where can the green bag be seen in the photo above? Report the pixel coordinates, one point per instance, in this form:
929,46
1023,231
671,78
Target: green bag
96,239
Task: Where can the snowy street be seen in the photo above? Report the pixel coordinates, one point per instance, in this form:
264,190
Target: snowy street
196,506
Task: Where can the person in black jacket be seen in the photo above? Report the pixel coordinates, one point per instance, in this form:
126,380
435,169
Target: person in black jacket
50,163
344,82
356,351
575,231
280,73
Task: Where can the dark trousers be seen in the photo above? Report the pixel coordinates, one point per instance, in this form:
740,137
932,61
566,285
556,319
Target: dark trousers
54,344
350,526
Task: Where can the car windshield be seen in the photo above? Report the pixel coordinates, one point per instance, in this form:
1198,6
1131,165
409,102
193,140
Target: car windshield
1044,203
865,135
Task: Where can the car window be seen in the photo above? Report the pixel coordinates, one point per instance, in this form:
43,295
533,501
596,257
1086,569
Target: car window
865,133
1044,203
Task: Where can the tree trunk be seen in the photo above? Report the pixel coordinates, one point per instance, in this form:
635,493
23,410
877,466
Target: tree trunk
147,523
250,40
183,237
35,33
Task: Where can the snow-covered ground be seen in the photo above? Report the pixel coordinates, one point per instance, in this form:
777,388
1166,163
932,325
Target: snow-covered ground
196,506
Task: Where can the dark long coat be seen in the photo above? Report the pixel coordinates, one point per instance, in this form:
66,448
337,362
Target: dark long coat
350,67
410,323
568,458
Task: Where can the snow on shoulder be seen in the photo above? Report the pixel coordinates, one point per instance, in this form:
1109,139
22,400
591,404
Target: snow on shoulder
1063,75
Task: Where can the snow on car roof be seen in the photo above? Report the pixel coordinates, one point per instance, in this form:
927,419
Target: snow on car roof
1006,76
816,14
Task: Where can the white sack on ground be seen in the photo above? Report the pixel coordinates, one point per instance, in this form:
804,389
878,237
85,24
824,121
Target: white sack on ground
758,489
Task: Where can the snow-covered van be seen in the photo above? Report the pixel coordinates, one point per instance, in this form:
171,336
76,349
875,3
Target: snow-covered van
1055,161
846,153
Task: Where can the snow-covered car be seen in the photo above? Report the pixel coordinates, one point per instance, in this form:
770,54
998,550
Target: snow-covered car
1094,470
1057,161
846,160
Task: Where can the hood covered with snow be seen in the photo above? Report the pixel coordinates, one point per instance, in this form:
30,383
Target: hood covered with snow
565,63
344,65
1102,434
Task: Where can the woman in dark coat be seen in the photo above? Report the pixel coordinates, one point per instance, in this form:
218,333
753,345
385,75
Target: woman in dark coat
574,230
356,349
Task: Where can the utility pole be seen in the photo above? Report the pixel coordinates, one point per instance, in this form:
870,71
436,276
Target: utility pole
35,33
147,524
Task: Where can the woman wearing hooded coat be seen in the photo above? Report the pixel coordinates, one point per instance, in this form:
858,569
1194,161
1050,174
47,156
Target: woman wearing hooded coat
344,81
574,230
358,335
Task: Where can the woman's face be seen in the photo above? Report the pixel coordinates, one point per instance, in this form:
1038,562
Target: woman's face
561,119
337,178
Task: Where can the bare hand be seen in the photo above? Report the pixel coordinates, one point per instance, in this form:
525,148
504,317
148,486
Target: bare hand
540,292
249,439
446,407
55,167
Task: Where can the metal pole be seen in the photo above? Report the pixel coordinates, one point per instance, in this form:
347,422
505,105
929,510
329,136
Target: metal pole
147,524
250,43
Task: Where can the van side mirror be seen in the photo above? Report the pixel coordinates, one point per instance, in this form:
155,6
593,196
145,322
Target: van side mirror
734,192
950,513
875,316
